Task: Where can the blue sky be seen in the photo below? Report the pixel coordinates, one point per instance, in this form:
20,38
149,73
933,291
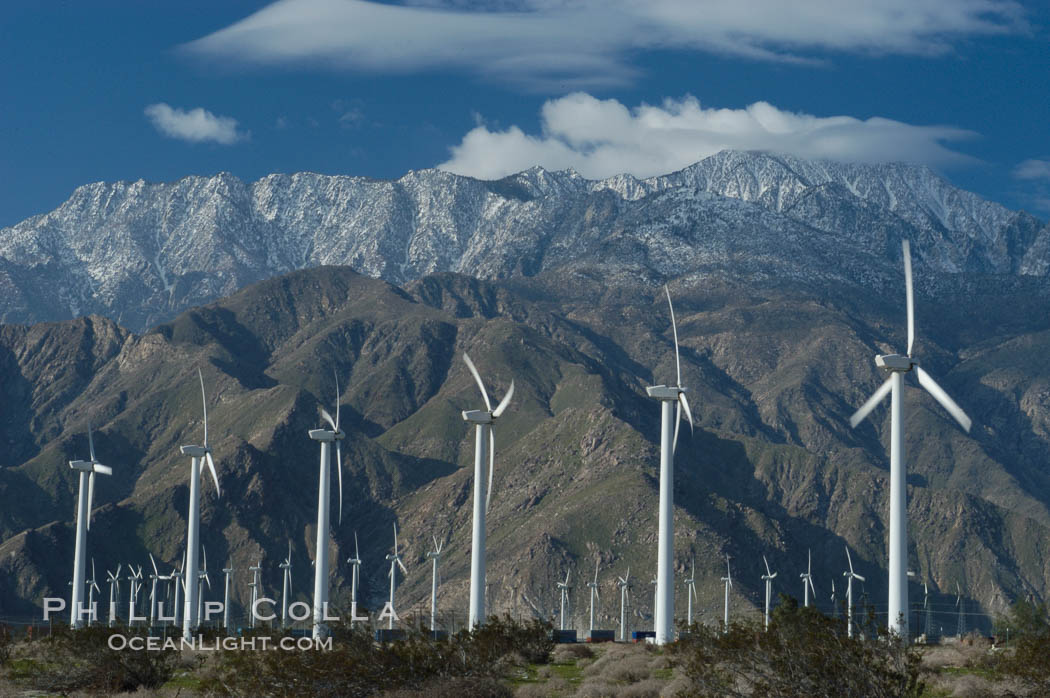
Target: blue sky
159,90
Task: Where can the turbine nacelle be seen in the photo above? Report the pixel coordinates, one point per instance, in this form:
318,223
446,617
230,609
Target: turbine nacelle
895,363
90,466
665,392
326,435
195,451
478,416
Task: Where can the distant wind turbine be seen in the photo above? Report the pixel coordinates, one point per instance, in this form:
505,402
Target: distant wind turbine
199,456
897,365
226,571
286,585
254,584
85,500
768,579
594,593
355,564
663,610
564,587
850,576
807,581
395,562
113,579
92,587
154,578
728,581
202,577
690,593
960,607
326,437
625,584
435,556
484,445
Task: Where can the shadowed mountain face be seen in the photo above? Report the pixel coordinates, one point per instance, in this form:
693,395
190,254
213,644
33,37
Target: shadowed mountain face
774,368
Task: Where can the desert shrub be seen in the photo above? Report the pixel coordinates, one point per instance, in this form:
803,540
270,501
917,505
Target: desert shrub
356,666
82,660
803,653
6,643
572,652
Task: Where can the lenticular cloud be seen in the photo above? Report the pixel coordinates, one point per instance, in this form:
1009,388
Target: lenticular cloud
601,138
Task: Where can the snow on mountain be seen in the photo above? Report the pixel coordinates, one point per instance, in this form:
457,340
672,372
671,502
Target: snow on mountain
141,252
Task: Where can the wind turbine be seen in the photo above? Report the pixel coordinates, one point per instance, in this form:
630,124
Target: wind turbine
92,587
807,582
434,555
484,444
834,606
594,593
668,395
134,584
226,571
286,584
625,584
326,437
355,564
85,499
564,588
395,561
154,578
202,577
113,579
690,593
897,365
178,576
254,584
768,579
959,605
199,455
850,576
728,581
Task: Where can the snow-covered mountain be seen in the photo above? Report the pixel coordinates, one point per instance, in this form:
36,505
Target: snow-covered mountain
141,252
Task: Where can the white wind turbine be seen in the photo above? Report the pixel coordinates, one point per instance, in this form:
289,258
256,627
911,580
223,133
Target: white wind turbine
897,365
435,556
594,593
355,565
625,584
92,587
85,499
484,445
690,593
961,628
926,610
728,581
113,579
226,571
768,579
807,581
153,578
134,585
254,584
668,395
202,577
395,562
199,455
834,607
564,589
178,577
326,437
850,576
286,584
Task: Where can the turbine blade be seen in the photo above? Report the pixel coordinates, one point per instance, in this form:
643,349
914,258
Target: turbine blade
477,379
926,381
402,566
906,247
91,497
811,587
492,467
357,552
504,402
768,573
91,443
92,570
674,328
328,418
103,469
214,476
204,554
152,561
677,423
204,400
809,561
395,538
336,401
849,560
684,401
595,571
339,472
871,403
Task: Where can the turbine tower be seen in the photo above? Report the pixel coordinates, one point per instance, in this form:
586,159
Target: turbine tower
326,437
728,581
113,579
154,578
134,584
690,593
254,584
179,577
564,588
850,576
961,628
768,579
897,365
668,395
594,593
435,556
395,561
226,571
202,577
85,499
807,581
625,584
484,444
286,585
199,456
355,564
92,587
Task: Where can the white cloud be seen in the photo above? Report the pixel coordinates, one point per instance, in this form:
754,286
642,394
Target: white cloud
588,42
196,125
601,138
1033,169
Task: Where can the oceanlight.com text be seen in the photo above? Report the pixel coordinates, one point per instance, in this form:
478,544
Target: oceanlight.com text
118,642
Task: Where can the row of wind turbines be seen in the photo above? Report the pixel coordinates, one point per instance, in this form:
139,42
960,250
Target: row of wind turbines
673,404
